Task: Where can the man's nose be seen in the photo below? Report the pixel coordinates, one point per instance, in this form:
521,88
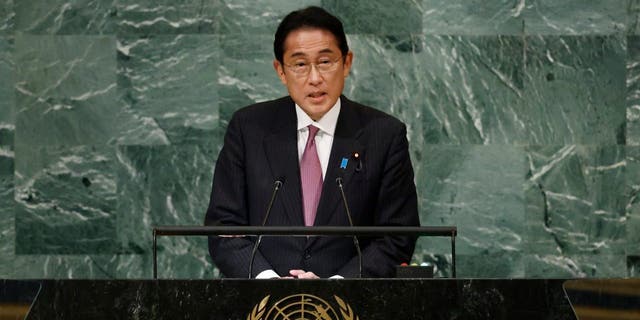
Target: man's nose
314,75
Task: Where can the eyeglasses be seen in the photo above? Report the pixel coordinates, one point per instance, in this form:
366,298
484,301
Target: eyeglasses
303,68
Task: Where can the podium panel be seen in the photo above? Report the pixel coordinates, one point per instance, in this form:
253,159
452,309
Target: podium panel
302,299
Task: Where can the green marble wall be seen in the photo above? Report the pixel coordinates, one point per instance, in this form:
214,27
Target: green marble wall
523,118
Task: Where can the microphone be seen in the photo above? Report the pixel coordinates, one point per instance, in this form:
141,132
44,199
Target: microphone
276,186
355,238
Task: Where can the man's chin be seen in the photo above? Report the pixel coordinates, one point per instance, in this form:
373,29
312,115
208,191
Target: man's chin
315,112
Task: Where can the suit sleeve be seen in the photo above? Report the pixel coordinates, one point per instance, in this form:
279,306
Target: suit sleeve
396,205
228,205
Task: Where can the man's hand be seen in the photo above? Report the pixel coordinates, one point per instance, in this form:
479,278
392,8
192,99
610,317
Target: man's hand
301,274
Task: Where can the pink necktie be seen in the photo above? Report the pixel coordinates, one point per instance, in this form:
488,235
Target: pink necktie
311,178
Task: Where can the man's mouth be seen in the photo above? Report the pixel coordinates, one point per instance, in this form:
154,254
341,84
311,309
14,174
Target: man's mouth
316,94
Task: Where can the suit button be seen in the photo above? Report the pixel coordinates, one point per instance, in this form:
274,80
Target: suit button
307,255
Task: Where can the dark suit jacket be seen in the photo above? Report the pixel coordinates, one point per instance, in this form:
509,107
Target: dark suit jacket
260,147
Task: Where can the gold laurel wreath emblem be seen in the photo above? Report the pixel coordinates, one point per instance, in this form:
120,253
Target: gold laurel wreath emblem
259,309
345,309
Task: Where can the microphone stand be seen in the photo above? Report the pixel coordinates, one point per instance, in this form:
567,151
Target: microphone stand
355,238
277,186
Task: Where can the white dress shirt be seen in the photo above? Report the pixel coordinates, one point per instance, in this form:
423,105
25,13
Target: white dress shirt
324,137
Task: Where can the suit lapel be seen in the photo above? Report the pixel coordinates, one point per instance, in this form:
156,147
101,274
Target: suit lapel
282,154
345,145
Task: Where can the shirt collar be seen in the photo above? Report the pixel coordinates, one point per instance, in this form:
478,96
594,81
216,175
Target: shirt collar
326,124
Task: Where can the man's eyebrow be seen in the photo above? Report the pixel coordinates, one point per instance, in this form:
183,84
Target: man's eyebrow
298,54
302,54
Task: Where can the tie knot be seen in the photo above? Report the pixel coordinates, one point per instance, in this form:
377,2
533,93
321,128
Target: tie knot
313,131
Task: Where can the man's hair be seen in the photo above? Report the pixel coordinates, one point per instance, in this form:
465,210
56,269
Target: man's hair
310,17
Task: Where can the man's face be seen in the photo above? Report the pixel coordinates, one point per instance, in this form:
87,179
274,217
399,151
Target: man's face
319,89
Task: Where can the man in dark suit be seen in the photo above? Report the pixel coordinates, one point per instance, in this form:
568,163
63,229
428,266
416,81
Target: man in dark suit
307,141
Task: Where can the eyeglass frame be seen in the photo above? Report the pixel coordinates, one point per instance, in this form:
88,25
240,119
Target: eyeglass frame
332,67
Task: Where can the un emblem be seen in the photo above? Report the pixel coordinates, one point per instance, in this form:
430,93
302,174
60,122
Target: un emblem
301,307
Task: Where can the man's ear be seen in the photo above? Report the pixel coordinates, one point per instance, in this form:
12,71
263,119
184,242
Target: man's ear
347,64
280,71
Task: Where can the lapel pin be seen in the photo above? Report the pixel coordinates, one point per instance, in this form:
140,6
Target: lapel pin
356,157
343,163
